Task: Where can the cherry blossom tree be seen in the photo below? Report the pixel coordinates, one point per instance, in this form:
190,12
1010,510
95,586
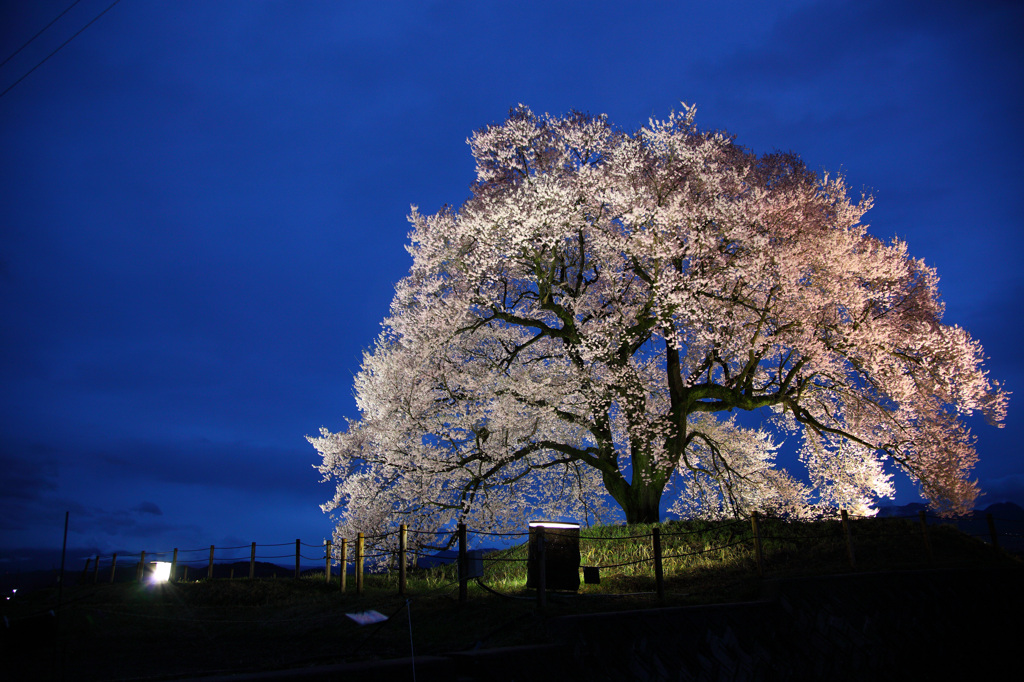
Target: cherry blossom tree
589,318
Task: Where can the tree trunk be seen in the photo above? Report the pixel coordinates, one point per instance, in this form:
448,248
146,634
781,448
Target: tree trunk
642,505
640,500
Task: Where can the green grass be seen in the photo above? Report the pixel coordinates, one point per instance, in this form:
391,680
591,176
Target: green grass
715,561
125,631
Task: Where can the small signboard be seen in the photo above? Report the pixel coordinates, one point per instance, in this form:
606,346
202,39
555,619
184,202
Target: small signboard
367,617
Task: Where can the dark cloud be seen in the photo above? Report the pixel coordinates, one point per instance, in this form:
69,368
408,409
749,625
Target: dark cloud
26,477
1003,489
147,508
995,317
237,466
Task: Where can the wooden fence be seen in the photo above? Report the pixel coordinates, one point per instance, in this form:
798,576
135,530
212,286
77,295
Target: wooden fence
402,557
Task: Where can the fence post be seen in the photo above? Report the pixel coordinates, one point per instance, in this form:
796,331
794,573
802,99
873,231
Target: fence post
924,531
174,564
849,540
659,575
757,544
297,543
402,546
542,571
992,530
142,567
463,566
344,562
209,572
113,565
88,563
359,562
185,576
96,571
252,561
327,561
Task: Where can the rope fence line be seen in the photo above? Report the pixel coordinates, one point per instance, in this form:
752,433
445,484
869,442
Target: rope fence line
706,551
814,536
625,563
506,559
354,553
510,534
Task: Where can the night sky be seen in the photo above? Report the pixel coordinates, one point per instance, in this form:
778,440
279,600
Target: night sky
204,212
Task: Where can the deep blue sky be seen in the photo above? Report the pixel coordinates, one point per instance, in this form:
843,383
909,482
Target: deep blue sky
203,212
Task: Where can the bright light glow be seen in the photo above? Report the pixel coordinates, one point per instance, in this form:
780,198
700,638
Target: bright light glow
161,571
553,524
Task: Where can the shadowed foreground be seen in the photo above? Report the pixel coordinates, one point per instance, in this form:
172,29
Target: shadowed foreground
911,623
905,613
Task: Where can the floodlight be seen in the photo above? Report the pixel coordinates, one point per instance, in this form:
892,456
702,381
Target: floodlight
161,572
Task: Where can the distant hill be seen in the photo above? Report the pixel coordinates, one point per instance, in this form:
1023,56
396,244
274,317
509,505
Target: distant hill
1006,510
1000,510
1007,517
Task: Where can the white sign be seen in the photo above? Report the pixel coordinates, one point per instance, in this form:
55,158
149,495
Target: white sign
367,617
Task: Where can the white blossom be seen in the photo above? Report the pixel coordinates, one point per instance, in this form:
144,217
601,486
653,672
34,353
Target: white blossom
585,322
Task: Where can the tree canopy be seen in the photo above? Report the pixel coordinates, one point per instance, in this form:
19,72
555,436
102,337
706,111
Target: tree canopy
593,316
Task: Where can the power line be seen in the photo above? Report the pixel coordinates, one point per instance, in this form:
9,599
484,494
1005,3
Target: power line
40,32
94,19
